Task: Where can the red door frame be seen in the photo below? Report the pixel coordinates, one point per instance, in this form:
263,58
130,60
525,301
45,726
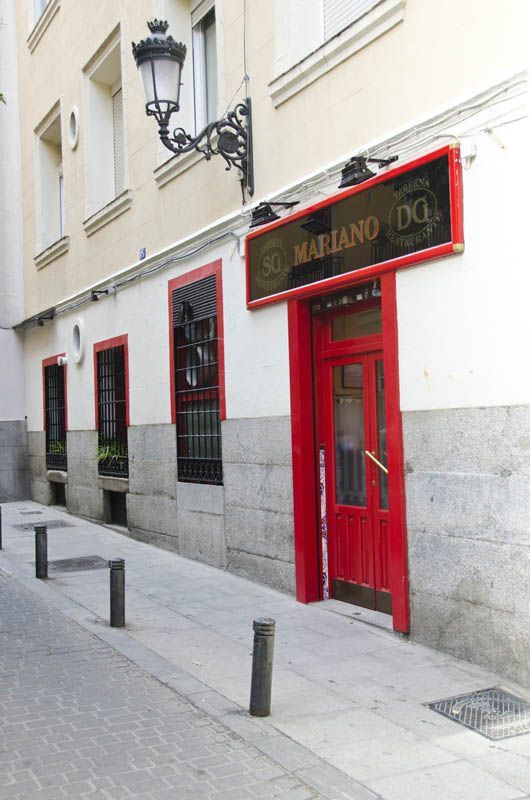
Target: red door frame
305,488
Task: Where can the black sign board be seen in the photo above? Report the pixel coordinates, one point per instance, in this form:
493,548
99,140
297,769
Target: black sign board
408,213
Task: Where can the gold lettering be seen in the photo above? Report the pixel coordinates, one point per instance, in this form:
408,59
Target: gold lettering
324,244
300,254
371,227
334,248
344,240
313,250
357,231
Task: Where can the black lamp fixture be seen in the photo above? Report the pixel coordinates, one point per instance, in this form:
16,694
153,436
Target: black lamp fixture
46,317
160,59
317,223
263,213
357,171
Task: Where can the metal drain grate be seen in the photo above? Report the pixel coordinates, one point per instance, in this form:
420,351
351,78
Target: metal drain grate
50,523
493,712
78,564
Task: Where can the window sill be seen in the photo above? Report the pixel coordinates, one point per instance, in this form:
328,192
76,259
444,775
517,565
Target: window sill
365,30
113,484
42,23
114,209
52,252
176,165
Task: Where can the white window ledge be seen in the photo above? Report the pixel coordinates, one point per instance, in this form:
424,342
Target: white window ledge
52,252
359,34
42,23
109,212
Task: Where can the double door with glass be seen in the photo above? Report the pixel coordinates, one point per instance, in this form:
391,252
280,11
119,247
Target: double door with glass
351,444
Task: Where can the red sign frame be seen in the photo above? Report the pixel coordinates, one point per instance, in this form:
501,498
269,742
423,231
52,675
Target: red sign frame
456,245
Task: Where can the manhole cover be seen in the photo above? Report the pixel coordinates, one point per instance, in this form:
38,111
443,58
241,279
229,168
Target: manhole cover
492,712
75,564
50,523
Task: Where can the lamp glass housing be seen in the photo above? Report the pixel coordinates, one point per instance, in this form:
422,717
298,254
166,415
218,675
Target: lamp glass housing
161,82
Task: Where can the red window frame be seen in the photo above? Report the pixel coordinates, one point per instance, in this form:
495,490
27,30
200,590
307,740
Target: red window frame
49,362
106,344
213,268
456,245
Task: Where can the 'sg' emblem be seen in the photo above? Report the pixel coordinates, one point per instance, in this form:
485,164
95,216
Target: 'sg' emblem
272,266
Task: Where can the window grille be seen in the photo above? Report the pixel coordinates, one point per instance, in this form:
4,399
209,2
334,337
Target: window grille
197,382
112,413
118,142
338,14
55,417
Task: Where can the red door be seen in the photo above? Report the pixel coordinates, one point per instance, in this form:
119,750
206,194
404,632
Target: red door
353,457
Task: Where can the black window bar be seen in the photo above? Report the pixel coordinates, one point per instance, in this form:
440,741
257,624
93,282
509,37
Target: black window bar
55,413
199,458
112,452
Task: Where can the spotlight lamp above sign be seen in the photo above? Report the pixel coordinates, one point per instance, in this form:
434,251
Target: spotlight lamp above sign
160,60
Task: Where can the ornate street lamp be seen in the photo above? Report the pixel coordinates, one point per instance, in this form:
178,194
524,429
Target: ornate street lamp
160,59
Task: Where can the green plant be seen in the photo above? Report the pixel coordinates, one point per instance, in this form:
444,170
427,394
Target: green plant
57,448
111,451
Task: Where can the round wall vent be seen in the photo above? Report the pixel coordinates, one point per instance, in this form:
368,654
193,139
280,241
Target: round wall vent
78,341
73,127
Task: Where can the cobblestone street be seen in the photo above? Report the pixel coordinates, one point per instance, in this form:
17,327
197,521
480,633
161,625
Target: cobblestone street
79,720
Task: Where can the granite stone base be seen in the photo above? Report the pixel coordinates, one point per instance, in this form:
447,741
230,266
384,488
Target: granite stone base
84,495
468,513
151,501
14,461
258,500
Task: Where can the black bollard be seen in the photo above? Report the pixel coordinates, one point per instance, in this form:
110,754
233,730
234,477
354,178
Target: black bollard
0,527
117,593
262,658
41,552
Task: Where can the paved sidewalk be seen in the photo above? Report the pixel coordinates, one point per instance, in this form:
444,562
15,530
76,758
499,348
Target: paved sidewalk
79,720
348,698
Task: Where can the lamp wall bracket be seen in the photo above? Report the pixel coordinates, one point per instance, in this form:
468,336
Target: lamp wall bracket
229,137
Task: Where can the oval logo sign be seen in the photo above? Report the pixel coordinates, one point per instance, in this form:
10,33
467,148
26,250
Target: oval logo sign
413,213
272,265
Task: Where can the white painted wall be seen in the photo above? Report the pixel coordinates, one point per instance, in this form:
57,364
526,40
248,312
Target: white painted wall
256,351
463,322
11,274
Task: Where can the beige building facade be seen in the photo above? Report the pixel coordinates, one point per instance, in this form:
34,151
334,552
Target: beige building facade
160,395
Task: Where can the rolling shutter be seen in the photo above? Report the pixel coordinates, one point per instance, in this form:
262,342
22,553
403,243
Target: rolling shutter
201,295
118,142
338,14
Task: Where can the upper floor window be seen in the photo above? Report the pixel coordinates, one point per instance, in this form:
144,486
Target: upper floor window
50,181
314,36
39,8
338,14
204,63
54,376
105,141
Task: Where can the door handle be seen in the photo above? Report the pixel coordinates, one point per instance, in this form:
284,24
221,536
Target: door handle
376,461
